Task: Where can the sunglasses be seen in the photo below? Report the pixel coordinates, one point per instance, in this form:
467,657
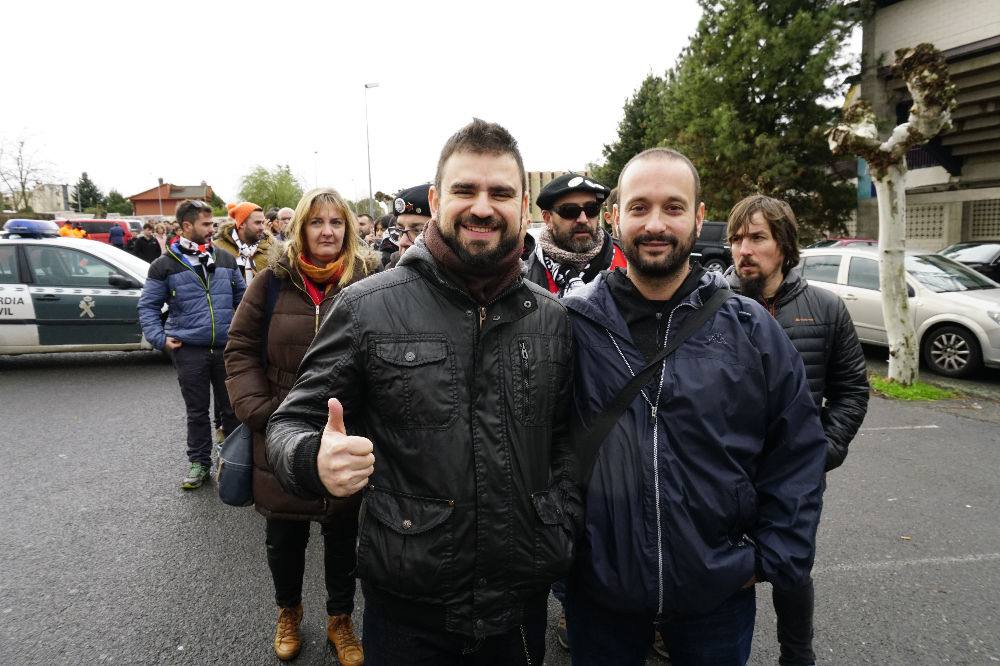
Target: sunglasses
195,203
572,211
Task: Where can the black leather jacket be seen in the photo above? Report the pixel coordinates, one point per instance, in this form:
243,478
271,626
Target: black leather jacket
472,509
820,328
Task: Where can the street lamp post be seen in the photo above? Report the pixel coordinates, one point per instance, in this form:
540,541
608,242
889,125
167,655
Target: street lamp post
368,149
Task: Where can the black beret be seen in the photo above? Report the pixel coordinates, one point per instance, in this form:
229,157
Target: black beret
413,201
566,183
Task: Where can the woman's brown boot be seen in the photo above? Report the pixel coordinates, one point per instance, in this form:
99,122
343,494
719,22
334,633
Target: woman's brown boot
340,632
287,640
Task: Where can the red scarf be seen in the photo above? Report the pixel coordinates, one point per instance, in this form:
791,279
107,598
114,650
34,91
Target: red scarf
483,283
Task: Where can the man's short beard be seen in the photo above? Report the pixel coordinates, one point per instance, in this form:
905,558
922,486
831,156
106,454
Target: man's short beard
570,243
480,260
667,267
753,287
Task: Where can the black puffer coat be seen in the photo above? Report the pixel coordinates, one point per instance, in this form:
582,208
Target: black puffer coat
820,328
471,512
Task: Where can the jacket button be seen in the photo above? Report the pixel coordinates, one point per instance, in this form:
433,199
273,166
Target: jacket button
468,313
481,582
407,524
527,304
409,356
480,625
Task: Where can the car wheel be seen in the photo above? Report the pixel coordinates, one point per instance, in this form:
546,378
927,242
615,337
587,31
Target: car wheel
717,265
952,351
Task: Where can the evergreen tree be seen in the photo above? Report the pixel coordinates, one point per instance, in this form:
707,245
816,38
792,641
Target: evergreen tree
86,194
116,203
749,102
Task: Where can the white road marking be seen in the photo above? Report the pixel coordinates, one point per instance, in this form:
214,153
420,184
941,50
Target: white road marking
899,564
920,427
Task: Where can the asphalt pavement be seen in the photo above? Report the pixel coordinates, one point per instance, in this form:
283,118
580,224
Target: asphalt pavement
105,560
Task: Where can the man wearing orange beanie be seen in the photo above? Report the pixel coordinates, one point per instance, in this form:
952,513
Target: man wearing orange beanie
244,238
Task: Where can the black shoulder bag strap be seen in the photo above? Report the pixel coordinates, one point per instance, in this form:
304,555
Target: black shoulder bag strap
591,440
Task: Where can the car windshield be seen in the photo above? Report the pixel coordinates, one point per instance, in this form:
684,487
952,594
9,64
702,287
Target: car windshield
980,253
940,274
130,261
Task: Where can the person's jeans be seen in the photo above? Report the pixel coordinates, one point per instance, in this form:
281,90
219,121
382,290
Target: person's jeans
389,642
200,372
794,610
286,556
721,637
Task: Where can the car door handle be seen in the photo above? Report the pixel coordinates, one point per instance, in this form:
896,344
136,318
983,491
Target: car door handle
47,297
850,297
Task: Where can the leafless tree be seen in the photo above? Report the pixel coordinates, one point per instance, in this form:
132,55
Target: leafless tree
20,172
926,75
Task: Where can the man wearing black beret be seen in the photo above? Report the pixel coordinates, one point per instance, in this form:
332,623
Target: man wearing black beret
413,212
573,248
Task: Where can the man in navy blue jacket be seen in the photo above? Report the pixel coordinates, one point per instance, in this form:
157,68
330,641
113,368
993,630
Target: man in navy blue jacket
711,480
201,288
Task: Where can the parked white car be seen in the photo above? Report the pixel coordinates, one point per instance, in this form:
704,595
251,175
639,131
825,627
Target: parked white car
956,311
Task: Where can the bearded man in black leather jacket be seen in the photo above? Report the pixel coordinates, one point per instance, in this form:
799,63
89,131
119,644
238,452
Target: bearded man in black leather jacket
470,498
764,237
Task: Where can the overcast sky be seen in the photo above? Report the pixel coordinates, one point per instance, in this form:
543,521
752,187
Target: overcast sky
192,91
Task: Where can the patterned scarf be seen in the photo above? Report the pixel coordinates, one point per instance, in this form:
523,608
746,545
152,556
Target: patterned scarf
201,251
571,270
245,258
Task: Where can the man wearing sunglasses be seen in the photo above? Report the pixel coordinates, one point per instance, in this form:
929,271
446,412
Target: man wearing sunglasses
573,248
413,212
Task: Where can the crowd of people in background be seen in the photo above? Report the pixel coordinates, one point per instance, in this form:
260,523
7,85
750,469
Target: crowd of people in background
436,371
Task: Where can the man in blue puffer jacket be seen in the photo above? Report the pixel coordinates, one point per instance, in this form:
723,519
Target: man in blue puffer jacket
201,288
711,479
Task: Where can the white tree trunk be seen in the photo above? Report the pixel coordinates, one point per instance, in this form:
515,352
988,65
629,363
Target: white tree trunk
903,351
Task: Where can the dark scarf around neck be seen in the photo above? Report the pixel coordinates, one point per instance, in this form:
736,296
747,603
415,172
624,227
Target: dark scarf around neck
484,283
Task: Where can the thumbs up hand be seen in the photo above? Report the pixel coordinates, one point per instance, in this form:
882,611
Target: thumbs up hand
344,462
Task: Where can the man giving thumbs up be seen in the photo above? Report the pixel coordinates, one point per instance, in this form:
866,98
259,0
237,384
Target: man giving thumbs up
469,479
344,462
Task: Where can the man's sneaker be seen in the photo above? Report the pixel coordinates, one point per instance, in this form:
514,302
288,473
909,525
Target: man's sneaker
561,634
196,476
287,640
340,632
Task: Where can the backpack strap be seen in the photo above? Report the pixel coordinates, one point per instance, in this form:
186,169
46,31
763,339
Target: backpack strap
270,300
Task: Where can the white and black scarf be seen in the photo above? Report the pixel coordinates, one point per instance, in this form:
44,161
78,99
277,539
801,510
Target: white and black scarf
571,270
245,258
200,251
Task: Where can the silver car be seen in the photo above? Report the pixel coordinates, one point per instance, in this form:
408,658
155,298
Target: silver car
956,311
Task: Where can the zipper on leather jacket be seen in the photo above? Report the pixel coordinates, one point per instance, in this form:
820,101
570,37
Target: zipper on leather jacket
525,370
482,316
316,326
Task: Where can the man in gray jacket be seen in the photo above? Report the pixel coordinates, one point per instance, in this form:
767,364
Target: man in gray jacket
764,238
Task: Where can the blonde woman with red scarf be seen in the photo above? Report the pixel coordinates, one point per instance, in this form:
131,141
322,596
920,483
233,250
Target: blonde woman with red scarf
322,255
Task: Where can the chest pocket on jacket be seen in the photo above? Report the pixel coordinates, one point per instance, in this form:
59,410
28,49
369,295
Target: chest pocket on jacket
414,376
535,370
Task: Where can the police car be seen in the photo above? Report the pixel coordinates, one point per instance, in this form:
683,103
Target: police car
68,294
